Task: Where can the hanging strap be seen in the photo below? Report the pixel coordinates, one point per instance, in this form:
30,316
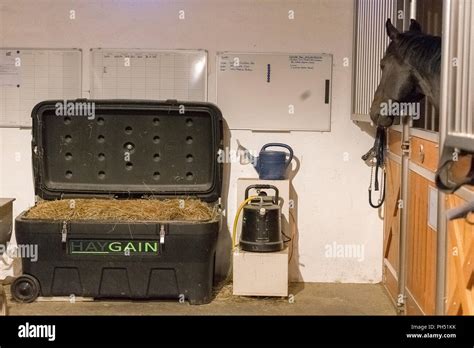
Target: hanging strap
379,148
382,190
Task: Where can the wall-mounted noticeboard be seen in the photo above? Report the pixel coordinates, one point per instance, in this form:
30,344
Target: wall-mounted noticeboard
149,74
29,76
275,91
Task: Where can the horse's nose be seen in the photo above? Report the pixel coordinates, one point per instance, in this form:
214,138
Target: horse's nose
375,116
384,121
379,120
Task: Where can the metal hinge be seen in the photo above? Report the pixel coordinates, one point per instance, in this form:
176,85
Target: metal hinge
64,232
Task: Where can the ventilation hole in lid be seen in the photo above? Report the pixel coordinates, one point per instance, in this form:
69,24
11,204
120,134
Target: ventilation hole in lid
129,147
100,138
68,156
67,120
68,138
189,158
100,121
156,176
189,176
156,121
189,140
101,156
129,165
128,130
156,139
101,175
189,122
156,157
68,174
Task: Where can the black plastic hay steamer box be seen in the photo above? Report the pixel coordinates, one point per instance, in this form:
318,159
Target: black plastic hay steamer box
173,149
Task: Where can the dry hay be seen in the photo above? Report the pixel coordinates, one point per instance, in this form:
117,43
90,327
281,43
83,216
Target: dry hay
123,210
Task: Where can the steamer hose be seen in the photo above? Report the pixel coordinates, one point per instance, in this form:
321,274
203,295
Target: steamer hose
236,219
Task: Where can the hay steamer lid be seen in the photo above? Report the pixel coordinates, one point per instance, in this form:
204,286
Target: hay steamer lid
129,149
261,222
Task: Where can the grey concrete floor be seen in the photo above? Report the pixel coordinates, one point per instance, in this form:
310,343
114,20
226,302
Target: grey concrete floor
309,299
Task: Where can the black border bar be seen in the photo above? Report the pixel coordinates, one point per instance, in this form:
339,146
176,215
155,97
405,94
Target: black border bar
136,330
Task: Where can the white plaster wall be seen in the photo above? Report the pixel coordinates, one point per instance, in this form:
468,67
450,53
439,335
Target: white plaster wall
332,193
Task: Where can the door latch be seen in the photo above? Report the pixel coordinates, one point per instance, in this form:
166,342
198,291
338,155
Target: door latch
64,232
405,146
162,234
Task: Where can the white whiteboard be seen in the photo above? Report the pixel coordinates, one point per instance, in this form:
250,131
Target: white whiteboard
29,76
275,91
149,74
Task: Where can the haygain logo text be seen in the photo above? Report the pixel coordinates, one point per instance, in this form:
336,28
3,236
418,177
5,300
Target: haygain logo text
37,331
123,247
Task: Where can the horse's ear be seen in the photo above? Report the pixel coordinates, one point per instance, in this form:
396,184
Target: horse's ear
414,26
392,32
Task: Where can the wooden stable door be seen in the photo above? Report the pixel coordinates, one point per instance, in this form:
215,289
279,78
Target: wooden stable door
391,228
420,252
421,236
420,255
460,272
421,249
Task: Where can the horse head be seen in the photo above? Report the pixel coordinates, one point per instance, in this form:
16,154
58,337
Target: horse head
399,82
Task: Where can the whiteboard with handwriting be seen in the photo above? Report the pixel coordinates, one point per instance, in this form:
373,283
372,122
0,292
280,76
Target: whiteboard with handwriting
275,91
149,74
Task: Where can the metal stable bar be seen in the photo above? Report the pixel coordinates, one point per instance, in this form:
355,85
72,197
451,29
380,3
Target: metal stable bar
357,45
408,6
426,126
433,118
361,48
450,119
354,64
470,110
429,115
459,57
403,214
370,57
364,55
463,73
441,241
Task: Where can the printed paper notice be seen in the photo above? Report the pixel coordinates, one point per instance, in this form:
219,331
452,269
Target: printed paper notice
303,62
236,64
9,73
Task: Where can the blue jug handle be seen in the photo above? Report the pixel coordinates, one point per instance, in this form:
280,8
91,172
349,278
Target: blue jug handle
288,161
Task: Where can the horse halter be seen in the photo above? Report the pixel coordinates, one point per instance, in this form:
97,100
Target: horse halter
375,158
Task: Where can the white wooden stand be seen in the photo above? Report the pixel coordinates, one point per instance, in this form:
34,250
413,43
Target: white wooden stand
260,274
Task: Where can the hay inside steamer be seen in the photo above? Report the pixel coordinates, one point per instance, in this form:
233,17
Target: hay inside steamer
123,210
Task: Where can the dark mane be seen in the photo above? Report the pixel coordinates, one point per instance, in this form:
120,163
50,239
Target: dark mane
421,51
